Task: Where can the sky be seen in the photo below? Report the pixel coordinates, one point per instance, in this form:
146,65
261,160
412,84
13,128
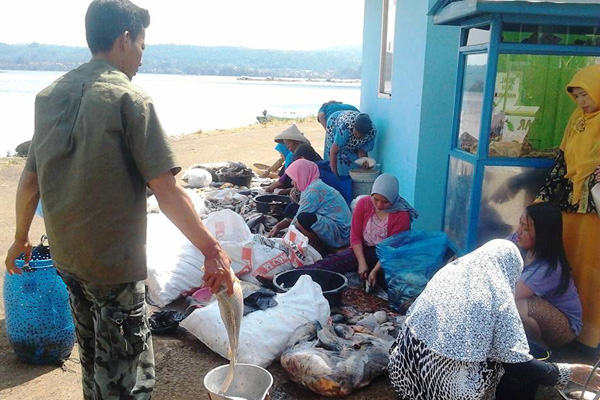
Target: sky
260,24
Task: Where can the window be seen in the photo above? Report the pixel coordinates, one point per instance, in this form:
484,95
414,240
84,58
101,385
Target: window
531,106
549,34
472,102
387,47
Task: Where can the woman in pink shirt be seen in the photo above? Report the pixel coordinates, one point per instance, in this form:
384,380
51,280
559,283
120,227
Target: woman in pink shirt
376,217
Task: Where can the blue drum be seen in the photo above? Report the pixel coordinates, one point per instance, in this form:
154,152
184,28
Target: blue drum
38,318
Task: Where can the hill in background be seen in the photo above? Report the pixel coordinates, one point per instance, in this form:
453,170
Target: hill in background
342,63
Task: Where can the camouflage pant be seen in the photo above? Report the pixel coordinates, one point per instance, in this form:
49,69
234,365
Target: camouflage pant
115,344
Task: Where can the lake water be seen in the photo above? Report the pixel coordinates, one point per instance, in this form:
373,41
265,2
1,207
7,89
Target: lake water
185,103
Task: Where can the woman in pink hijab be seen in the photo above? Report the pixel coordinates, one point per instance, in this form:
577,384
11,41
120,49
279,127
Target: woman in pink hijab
323,214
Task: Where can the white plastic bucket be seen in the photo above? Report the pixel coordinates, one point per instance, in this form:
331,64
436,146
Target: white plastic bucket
250,382
362,181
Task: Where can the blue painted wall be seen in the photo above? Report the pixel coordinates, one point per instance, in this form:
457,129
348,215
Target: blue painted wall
414,126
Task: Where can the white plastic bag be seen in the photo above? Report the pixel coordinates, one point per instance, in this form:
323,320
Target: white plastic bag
199,205
265,257
174,264
227,225
263,334
300,252
197,177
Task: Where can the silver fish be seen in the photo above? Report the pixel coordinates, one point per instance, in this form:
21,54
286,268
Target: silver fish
231,309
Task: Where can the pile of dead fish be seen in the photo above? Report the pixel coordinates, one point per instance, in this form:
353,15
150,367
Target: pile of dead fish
333,360
240,204
243,205
260,223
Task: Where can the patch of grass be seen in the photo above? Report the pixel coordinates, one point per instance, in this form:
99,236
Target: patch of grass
8,161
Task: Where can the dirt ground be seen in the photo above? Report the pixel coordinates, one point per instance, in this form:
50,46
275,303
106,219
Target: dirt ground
181,359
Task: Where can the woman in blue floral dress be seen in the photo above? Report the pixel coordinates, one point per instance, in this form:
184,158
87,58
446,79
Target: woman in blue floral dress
323,214
350,135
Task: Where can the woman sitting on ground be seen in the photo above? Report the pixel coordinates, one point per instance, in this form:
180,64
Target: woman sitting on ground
287,141
546,296
464,332
323,215
375,218
306,152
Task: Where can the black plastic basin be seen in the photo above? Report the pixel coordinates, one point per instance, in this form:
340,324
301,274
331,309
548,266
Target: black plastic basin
332,283
265,202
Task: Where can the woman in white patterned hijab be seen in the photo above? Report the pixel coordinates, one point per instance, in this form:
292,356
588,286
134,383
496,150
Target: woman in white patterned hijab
464,331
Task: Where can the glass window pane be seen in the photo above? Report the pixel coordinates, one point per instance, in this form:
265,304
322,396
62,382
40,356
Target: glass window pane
531,106
551,34
505,193
458,201
472,102
387,46
478,36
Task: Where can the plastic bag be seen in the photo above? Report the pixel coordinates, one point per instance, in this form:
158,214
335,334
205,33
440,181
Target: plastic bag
409,259
175,264
263,334
300,252
265,257
197,177
227,225
199,205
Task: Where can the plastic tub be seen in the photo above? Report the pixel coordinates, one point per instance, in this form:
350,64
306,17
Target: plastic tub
266,202
332,283
362,181
242,179
250,382
39,324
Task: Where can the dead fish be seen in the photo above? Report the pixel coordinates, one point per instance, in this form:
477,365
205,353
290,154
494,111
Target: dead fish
343,331
304,333
380,316
328,338
252,222
338,319
369,322
231,309
361,329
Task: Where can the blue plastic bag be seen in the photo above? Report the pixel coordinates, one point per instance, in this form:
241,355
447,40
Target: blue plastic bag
409,259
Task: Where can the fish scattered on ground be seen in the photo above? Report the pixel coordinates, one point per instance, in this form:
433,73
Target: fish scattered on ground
231,309
335,360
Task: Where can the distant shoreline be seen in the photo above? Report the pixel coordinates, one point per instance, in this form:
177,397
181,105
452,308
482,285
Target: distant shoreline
236,77
342,63
275,79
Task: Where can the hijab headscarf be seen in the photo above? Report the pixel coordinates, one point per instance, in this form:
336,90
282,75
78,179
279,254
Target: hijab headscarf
303,172
387,185
582,148
467,311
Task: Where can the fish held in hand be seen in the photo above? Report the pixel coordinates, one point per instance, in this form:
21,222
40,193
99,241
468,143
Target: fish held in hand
231,309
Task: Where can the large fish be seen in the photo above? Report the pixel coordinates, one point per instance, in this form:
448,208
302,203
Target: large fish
231,309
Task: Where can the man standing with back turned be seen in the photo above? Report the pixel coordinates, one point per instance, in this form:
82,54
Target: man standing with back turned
97,144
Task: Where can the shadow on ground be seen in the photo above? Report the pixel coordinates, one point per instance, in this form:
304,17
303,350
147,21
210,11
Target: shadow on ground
14,372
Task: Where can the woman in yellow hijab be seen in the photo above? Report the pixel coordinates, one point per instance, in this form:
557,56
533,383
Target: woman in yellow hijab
575,172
